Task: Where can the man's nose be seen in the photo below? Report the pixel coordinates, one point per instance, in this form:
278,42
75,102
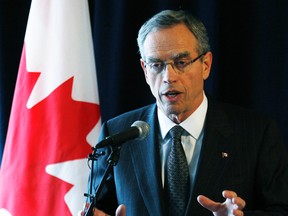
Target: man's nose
169,73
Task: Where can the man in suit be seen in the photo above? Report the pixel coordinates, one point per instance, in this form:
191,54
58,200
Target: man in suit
236,159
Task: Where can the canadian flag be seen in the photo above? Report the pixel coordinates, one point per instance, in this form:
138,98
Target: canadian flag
55,116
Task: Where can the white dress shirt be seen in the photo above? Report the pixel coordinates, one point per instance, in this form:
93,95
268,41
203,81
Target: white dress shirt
191,139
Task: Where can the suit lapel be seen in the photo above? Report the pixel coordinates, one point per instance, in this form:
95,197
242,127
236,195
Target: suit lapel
146,155
212,161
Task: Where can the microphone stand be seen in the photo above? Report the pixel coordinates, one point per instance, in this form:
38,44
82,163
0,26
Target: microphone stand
112,161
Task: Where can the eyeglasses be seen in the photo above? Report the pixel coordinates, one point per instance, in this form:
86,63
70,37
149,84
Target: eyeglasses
178,64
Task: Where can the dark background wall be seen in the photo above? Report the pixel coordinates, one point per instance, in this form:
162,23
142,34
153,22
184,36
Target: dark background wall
249,40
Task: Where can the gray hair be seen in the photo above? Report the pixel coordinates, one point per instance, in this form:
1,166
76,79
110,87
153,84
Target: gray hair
170,18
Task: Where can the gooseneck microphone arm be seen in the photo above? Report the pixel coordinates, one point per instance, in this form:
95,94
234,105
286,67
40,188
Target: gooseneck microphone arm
112,161
138,130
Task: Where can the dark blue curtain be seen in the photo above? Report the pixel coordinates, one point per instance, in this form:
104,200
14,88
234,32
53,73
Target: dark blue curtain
13,20
249,40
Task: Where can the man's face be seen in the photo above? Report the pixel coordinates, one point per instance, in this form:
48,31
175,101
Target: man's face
178,93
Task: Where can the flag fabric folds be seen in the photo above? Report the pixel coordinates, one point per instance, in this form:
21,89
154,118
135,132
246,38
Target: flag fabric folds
55,116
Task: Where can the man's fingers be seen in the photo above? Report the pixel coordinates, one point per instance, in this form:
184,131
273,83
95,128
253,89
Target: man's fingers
237,212
208,203
234,198
121,210
239,202
229,194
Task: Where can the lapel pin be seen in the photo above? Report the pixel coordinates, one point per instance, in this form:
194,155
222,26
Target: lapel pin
224,155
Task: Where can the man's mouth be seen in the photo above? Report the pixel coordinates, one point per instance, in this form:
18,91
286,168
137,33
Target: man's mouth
171,93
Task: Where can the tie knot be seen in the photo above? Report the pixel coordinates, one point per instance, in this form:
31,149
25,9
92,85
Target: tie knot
176,132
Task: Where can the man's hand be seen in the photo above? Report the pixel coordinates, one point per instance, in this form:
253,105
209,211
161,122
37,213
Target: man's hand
120,211
232,206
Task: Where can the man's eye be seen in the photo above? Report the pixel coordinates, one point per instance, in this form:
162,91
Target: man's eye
157,65
181,63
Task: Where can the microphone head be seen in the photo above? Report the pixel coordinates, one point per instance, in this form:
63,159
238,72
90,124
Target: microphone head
143,127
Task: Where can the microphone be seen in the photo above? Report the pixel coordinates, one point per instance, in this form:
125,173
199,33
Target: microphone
139,130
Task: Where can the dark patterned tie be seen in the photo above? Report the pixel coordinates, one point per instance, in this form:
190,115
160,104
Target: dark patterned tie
177,175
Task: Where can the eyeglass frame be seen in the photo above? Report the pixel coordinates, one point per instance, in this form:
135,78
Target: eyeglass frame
164,63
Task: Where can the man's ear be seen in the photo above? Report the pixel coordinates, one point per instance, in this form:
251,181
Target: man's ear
144,69
207,63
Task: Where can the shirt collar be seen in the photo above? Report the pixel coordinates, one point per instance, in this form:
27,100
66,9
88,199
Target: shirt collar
193,124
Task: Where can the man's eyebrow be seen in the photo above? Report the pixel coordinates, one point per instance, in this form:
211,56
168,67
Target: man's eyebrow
152,59
175,56
181,55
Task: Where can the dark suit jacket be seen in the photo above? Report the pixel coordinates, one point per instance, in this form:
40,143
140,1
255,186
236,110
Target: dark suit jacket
255,167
